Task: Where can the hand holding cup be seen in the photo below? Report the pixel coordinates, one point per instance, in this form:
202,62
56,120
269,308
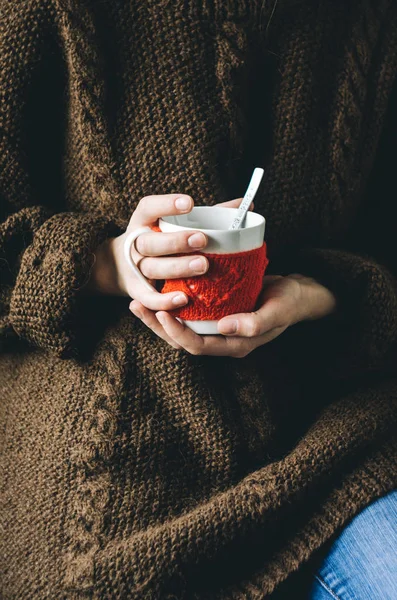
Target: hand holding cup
157,255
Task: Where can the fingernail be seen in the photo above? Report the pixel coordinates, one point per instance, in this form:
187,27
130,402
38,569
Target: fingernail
197,240
228,327
183,203
160,318
179,299
198,265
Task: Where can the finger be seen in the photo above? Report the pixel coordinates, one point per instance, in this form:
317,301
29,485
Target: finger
252,324
233,204
261,340
155,300
173,267
148,317
151,208
214,345
160,244
269,279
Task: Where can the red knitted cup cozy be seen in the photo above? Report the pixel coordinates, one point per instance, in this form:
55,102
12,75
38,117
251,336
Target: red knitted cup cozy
231,285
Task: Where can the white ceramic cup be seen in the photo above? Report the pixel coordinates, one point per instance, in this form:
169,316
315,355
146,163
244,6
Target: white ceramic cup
214,221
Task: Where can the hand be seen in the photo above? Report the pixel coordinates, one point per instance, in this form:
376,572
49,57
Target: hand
112,274
283,302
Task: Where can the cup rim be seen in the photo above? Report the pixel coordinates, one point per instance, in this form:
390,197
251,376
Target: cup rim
235,210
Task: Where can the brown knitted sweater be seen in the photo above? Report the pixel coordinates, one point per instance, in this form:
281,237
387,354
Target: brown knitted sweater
131,470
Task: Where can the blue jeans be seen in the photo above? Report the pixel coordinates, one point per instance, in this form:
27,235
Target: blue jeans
361,563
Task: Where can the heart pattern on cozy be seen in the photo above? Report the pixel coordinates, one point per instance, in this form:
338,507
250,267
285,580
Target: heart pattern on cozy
231,285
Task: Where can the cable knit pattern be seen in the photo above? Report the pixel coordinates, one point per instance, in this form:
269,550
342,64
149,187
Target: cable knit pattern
87,99
131,470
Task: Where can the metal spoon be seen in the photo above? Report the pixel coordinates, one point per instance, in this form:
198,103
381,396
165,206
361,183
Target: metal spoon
248,197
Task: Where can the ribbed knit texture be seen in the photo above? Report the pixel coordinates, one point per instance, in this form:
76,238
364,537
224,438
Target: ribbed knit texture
129,469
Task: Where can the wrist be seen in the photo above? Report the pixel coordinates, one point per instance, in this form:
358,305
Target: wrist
116,259
103,277
317,301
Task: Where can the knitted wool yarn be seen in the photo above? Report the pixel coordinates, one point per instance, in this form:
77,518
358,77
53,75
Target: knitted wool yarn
131,470
231,285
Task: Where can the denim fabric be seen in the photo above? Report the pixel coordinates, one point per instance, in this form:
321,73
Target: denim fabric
362,562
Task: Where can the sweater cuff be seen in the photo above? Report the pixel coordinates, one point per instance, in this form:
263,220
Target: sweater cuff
44,305
361,335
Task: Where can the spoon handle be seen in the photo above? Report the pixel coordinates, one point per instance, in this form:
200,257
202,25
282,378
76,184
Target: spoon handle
248,197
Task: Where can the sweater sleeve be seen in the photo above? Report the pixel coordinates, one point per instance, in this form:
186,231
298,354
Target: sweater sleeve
45,261
46,250
361,337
